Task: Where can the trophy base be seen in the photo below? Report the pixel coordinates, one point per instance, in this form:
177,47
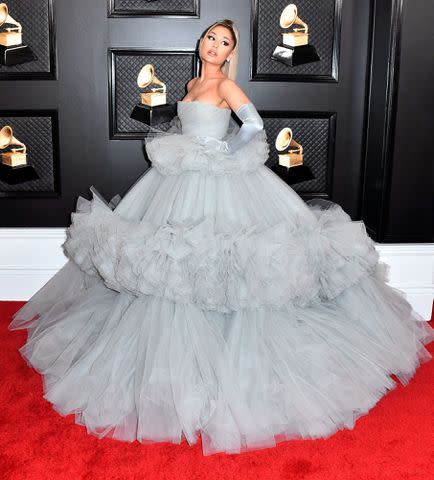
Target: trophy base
9,39
14,159
295,39
153,115
293,56
15,55
19,174
153,99
290,160
292,175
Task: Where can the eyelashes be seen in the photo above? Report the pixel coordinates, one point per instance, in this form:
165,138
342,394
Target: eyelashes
209,36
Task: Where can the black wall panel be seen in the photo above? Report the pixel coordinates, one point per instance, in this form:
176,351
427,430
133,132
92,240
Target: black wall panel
410,209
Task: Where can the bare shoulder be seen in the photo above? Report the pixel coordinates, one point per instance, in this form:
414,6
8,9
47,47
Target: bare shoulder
190,83
232,93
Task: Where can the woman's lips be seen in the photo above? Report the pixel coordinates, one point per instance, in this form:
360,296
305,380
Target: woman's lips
212,53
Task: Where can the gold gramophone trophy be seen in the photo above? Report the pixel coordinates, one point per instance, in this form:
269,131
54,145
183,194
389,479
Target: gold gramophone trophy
14,167
153,108
290,166
13,152
12,49
292,151
156,95
294,48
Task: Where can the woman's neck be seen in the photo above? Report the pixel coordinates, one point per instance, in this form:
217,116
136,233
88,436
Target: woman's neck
209,71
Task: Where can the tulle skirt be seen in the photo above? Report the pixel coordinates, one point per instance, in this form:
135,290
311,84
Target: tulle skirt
219,304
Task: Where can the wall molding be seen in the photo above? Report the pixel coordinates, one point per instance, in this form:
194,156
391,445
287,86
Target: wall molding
29,257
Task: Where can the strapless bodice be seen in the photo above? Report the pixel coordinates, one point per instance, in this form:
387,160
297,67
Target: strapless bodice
203,119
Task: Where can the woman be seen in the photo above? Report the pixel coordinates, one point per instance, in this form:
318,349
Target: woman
212,299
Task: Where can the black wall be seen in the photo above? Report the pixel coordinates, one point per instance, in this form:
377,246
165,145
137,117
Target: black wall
410,209
362,99
397,193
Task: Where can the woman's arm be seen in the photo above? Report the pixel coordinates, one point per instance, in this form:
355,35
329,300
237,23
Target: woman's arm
245,111
232,93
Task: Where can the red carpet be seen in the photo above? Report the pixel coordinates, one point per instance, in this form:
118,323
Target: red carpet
394,441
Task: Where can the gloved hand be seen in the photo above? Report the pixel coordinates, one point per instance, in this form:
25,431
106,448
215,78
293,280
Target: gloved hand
252,124
212,143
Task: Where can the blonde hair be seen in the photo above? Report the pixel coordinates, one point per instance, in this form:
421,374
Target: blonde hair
229,68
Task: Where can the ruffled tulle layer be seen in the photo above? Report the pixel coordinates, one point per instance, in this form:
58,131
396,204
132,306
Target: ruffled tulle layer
152,369
223,267
172,154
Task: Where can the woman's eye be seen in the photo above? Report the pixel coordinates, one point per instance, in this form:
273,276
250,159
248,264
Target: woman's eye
211,37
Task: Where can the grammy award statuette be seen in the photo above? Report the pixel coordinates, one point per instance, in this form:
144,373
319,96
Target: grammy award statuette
290,166
294,48
13,166
12,49
152,108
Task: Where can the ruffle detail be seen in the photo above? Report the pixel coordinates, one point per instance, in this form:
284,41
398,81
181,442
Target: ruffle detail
174,153
238,267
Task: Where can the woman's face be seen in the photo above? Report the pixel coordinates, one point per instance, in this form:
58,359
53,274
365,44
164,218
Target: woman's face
217,45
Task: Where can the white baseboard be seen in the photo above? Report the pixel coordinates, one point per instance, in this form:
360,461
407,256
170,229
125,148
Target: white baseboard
412,271
29,257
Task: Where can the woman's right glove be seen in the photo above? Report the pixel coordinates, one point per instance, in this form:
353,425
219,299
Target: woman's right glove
252,124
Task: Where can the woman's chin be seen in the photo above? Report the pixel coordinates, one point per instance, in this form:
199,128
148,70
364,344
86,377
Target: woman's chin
209,59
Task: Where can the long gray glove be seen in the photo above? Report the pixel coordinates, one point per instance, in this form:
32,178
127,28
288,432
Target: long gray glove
252,124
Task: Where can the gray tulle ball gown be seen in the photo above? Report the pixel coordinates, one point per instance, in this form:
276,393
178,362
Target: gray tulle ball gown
212,301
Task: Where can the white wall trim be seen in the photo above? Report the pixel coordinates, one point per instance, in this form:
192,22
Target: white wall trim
29,257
